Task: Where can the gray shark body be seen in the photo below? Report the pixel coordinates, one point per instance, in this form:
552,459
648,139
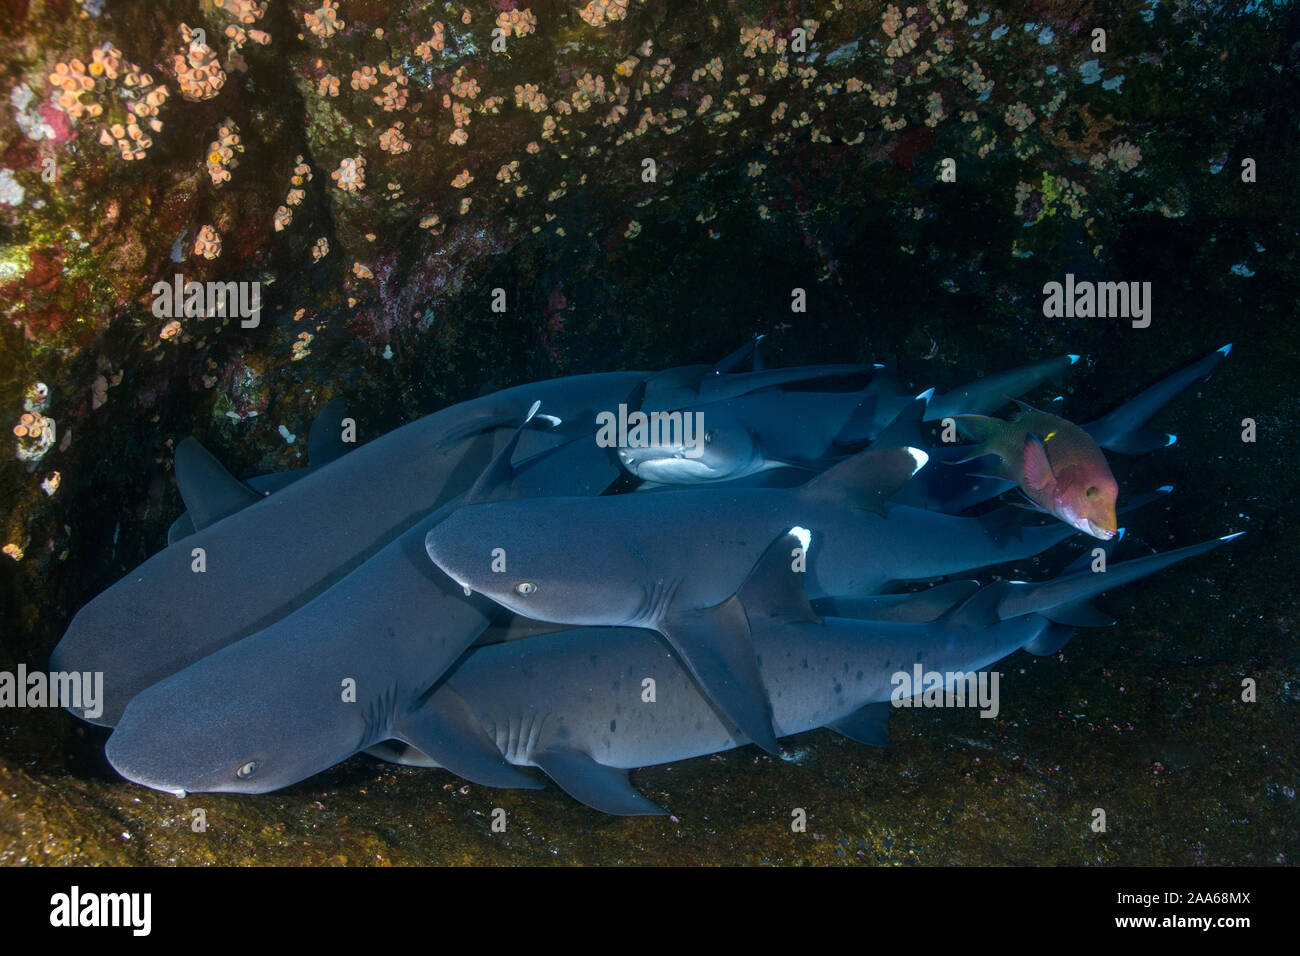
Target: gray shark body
589,704
270,557
673,562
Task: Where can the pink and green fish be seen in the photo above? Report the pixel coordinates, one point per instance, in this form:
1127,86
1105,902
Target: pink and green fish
1058,466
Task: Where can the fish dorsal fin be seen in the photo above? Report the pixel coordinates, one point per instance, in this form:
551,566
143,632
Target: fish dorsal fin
325,437
774,592
867,480
1038,469
501,470
209,491
603,788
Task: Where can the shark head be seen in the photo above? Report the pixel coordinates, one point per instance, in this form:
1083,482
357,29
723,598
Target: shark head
548,559
723,448
251,718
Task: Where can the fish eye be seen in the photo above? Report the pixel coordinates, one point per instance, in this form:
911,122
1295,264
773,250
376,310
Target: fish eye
1092,491
525,587
248,769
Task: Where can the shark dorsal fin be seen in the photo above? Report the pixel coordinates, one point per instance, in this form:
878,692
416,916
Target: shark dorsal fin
774,590
867,480
325,437
978,611
501,470
209,491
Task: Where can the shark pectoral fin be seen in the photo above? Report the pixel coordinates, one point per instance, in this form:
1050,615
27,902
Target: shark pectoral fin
403,754
865,481
868,725
1050,640
325,437
209,491
1138,442
715,645
602,788
445,729
1081,614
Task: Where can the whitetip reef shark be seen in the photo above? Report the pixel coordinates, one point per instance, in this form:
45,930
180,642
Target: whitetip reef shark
265,556
673,562
573,704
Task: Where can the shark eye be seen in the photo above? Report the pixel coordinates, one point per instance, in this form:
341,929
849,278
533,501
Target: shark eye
1092,491
708,437
525,587
248,769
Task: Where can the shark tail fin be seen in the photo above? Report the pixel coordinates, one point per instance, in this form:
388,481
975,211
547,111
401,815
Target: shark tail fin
1122,429
1062,599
